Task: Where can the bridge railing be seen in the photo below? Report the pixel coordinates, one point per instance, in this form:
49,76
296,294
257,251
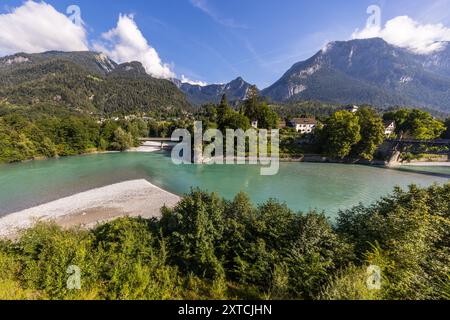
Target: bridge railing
417,141
156,139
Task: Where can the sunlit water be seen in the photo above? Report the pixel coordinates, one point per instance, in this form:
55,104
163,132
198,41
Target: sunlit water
302,186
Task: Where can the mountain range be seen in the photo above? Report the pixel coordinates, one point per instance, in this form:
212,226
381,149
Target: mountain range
369,71
87,82
235,90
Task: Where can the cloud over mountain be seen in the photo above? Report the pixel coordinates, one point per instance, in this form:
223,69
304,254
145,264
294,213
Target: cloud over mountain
37,27
405,32
126,43
185,79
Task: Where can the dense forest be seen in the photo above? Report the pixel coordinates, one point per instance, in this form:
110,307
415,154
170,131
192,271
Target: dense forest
315,109
23,138
222,116
75,81
339,134
210,248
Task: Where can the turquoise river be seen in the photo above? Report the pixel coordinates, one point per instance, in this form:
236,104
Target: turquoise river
302,186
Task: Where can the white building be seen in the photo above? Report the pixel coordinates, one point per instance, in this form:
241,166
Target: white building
255,124
352,109
389,127
304,125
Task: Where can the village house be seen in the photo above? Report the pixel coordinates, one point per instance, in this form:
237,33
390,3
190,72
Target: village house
389,127
352,108
304,125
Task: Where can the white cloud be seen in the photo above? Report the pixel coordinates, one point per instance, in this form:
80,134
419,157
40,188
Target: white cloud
126,43
407,33
185,79
38,27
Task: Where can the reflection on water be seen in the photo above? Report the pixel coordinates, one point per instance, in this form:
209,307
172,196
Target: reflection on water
439,171
302,186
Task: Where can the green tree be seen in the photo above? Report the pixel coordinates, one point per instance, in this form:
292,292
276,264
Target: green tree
409,231
256,109
236,120
340,133
416,123
267,118
107,130
423,126
122,140
251,104
372,133
133,261
72,137
194,229
316,255
223,111
400,117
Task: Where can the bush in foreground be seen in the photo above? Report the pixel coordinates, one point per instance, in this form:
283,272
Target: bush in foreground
210,248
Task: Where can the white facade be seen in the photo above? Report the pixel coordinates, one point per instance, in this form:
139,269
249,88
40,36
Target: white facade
389,128
305,128
352,109
304,125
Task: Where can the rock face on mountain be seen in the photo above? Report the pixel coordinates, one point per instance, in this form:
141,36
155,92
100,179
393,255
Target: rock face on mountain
368,71
91,61
86,82
198,95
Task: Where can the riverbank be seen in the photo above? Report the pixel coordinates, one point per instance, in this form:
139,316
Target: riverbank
315,158
148,146
427,164
87,209
59,157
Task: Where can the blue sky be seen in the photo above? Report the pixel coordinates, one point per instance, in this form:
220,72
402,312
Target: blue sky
216,40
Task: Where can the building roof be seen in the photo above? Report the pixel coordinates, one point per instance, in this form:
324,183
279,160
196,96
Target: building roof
388,123
351,107
309,121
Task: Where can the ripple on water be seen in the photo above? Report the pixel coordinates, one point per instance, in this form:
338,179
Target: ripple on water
303,186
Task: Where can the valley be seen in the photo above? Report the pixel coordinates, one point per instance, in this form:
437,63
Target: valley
359,133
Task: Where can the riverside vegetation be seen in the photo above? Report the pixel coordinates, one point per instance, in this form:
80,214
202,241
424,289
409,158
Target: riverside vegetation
209,248
31,135
340,134
47,88
42,136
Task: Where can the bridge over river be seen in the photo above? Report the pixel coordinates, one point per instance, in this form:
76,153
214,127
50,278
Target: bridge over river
397,146
430,143
156,143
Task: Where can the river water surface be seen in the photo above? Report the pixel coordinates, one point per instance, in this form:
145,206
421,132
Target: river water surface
302,186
